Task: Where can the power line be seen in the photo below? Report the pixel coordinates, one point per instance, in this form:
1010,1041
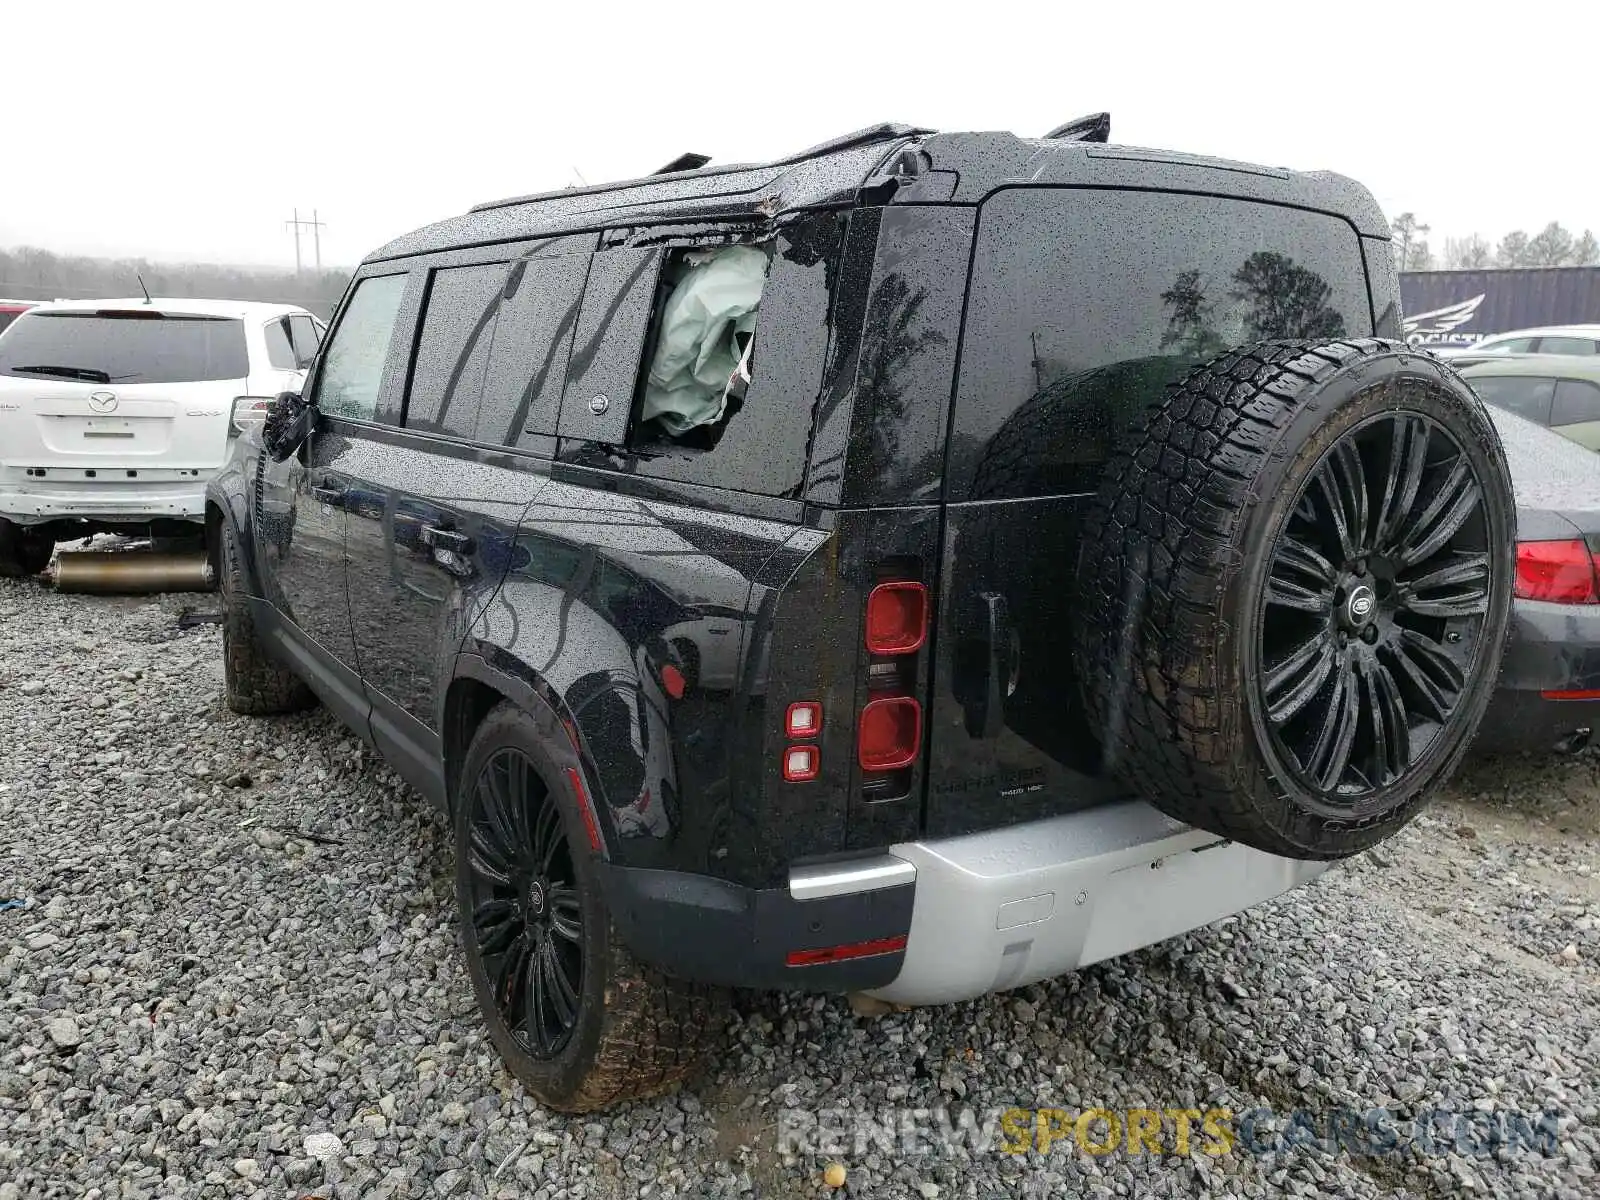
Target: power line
316,228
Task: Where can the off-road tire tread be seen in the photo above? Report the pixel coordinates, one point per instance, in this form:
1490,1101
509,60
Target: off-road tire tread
654,1030
254,683
655,1038
1174,493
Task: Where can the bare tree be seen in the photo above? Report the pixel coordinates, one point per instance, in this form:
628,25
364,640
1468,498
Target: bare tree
1410,236
1471,253
29,273
1585,251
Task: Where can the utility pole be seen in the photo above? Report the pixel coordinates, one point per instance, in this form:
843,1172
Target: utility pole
316,228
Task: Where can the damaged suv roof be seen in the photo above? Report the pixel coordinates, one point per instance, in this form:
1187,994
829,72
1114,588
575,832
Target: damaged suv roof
885,164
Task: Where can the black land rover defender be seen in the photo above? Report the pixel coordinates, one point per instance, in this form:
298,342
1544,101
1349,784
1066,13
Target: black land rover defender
923,565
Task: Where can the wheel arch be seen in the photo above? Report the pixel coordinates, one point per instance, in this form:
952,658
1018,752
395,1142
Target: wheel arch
226,500
483,681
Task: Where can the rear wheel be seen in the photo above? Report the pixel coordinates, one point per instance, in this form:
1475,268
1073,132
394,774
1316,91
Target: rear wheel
576,1018
1298,582
22,551
254,683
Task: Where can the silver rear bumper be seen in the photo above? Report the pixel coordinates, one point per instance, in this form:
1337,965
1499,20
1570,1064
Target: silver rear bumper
1001,909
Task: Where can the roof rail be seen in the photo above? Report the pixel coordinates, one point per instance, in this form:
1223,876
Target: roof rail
885,132
1096,127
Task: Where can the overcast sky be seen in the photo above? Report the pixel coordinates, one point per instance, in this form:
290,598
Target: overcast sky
190,131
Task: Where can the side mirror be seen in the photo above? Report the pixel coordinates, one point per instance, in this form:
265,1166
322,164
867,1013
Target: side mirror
287,426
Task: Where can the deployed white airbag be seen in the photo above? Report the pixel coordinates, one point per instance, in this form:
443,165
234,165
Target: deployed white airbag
707,328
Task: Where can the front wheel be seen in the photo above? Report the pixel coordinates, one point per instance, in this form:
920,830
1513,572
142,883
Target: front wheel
576,1018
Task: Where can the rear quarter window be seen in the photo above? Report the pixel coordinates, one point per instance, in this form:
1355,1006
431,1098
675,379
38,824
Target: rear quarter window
1577,401
1084,305
125,348
1525,395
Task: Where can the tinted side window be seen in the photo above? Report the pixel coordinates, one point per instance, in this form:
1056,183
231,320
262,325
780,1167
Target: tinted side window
1576,400
1084,305
1566,345
528,363
279,352
1508,346
304,337
352,371
759,444
1523,395
453,351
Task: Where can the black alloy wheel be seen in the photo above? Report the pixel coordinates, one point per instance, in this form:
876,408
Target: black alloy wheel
1377,594
526,918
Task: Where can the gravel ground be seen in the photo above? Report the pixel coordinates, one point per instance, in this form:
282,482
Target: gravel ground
235,973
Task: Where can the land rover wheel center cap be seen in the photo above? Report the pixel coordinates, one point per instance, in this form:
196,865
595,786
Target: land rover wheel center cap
1360,605
536,899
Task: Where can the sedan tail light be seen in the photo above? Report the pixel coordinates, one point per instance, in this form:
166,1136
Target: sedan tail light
248,410
1558,572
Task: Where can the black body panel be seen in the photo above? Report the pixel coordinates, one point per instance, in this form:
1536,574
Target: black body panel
712,931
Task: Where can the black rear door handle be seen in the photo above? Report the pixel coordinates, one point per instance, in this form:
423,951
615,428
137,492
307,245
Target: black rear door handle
1000,678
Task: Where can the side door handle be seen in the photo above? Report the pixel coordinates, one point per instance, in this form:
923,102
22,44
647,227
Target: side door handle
436,538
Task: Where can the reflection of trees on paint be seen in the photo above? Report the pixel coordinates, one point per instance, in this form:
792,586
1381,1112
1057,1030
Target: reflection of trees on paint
1284,299
897,337
1189,329
1272,297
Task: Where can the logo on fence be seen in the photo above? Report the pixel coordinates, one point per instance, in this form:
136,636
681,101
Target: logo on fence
1436,327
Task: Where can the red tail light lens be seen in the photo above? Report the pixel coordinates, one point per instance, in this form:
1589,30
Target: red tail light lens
832,954
1559,572
890,734
897,618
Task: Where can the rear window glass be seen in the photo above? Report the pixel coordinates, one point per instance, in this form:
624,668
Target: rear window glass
1521,394
99,348
1085,304
6,318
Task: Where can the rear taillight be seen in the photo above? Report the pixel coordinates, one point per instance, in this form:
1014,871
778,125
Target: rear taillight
1558,572
801,763
889,733
803,720
833,954
248,410
897,618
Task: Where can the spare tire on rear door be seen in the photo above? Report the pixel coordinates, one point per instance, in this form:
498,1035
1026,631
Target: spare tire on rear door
1297,577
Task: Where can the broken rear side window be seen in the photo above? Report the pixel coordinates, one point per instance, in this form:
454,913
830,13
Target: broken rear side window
702,345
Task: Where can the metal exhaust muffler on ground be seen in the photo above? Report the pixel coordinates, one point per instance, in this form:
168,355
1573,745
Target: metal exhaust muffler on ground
132,572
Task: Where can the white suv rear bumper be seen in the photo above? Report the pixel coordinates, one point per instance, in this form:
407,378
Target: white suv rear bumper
1005,908
124,500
